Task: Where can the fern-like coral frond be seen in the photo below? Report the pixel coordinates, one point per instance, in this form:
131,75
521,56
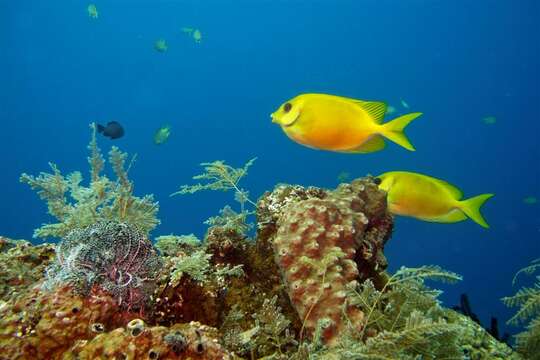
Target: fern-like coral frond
218,175
528,342
76,206
528,270
527,300
428,272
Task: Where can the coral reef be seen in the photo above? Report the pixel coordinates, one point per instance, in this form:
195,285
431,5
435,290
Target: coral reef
140,341
310,284
103,199
64,325
326,243
21,265
115,257
44,325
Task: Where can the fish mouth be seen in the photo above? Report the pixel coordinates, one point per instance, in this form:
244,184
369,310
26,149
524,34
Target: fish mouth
281,123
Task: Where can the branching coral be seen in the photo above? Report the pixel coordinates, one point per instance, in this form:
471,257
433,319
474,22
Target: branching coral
76,206
228,219
170,245
269,334
527,300
196,266
406,321
220,176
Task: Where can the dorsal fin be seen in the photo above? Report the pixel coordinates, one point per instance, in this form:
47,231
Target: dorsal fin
375,109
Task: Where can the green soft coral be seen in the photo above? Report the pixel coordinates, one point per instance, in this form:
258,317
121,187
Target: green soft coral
527,300
218,175
404,320
171,245
76,206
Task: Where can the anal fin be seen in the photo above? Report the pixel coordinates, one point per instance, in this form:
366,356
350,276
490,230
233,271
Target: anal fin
452,216
375,143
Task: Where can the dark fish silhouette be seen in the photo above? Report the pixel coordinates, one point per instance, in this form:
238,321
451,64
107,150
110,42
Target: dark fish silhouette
113,130
464,307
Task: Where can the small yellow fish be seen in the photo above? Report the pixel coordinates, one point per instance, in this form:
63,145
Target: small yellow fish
489,120
161,45
340,124
194,33
92,11
430,199
162,134
197,36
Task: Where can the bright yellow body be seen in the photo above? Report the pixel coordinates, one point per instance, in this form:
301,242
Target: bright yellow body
429,199
341,124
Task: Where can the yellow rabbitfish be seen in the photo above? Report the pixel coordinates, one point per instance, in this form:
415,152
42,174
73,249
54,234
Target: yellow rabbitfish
340,124
430,199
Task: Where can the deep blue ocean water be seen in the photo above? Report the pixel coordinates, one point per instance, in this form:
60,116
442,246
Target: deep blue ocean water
455,61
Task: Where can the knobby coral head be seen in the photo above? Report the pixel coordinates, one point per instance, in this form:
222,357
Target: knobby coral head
116,257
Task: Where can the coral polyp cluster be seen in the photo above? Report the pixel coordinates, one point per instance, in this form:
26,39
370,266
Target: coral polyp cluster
44,325
315,248
319,241
115,257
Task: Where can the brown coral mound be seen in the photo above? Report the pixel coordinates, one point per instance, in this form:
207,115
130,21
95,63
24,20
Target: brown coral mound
21,266
139,341
324,241
43,325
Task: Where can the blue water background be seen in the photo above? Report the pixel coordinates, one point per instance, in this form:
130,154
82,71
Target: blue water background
455,61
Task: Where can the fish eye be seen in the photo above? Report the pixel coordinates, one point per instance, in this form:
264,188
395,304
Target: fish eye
287,107
377,181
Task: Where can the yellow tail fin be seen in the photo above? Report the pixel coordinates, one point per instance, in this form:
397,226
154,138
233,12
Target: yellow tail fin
471,208
393,130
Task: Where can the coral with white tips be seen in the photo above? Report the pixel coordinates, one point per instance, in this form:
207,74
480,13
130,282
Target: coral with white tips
324,242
